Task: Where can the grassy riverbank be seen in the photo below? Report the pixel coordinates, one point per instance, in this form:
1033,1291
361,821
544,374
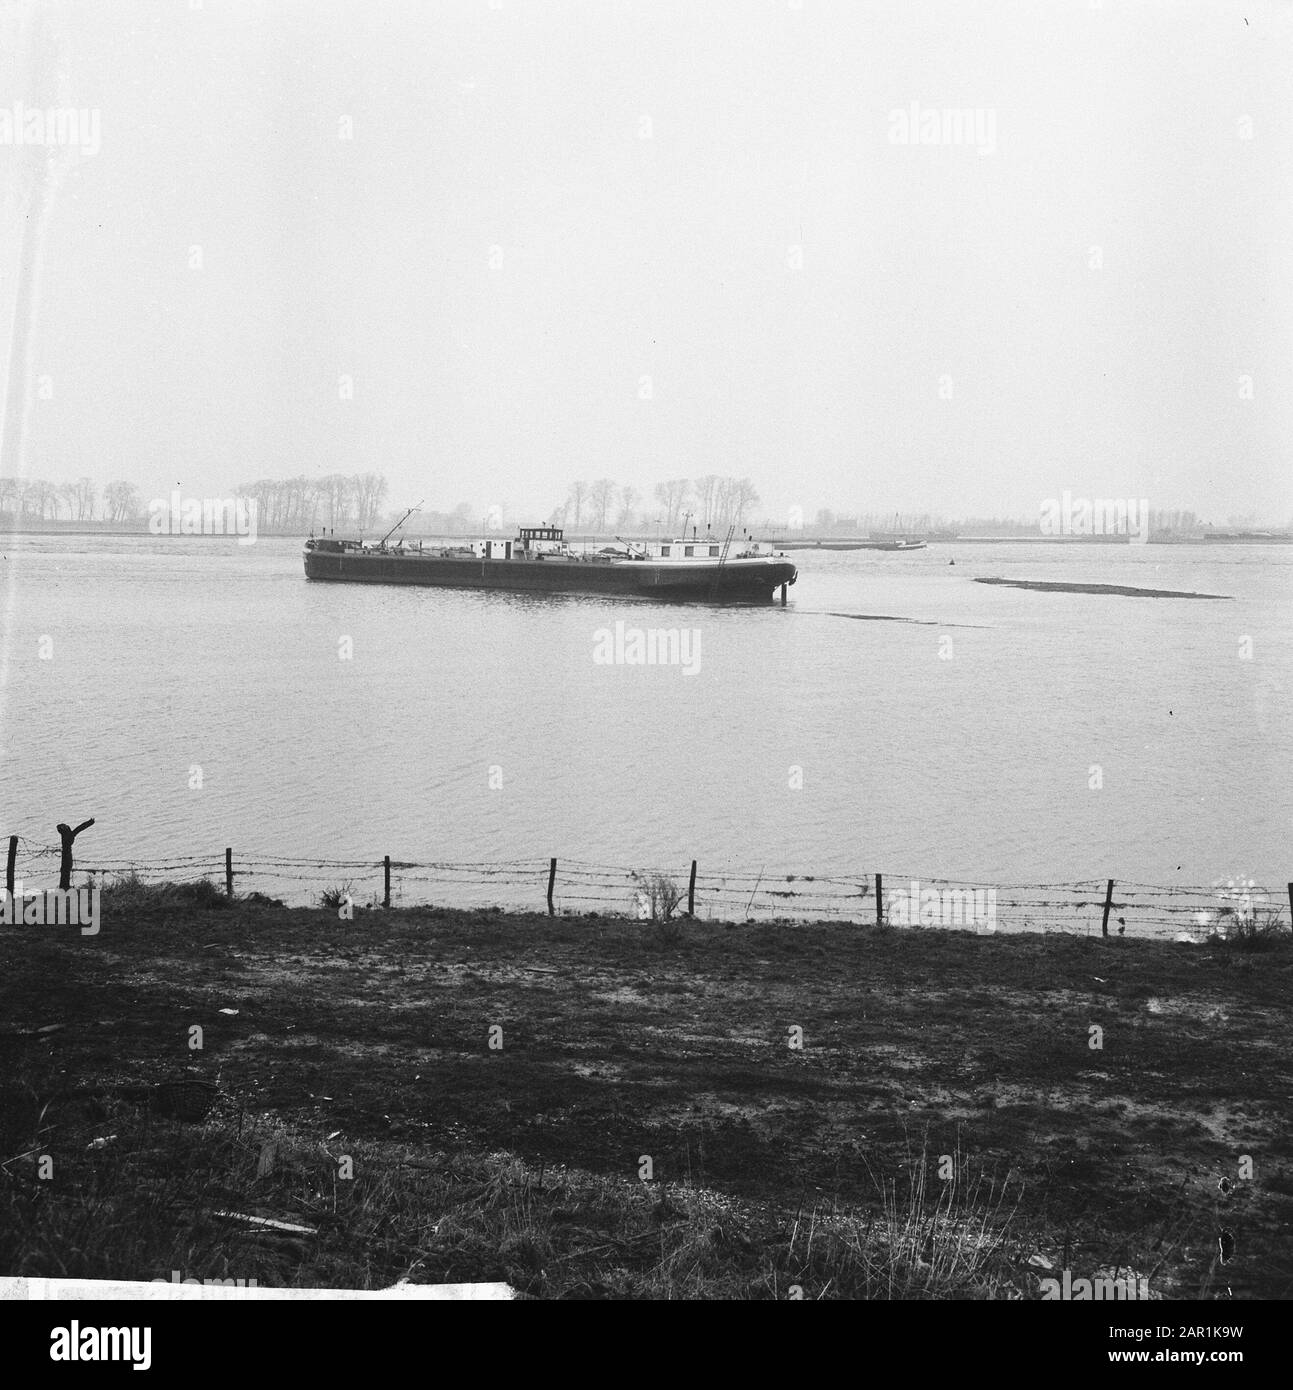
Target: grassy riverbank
946,1129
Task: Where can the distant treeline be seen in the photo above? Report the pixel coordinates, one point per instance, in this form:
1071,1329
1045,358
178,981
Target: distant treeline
605,507
346,501
711,502
350,502
34,499
358,502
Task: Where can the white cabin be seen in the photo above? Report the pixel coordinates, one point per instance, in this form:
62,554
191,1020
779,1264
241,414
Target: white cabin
703,548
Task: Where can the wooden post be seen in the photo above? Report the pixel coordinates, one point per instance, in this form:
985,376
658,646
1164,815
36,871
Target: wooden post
691,891
386,897
12,842
13,855
552,883
783,595
66,834
879,900
1108,903
228,871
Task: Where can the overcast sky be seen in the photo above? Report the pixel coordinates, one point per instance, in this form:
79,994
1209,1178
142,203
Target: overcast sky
643,240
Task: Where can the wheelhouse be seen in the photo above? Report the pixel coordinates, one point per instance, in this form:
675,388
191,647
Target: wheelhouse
536,542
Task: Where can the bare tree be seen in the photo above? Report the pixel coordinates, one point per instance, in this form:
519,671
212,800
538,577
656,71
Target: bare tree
313,500
706,496
370,493
83,494
603,498
672,496
628,500
265,492
578,496
43,495
334,492
121,501
742,498
19,493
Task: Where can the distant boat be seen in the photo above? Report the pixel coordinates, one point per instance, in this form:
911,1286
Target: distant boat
897,543
540,560
894,540
1244,537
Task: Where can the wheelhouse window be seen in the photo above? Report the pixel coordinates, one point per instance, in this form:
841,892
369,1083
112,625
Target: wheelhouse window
689,550
664,549
713,550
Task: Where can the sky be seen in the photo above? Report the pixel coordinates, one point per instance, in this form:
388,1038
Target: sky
488,247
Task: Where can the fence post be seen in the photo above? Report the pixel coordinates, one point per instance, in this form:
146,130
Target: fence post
879,900
1108,903
11,845
13,855
228,871
552,880
386,896
691,891
67,835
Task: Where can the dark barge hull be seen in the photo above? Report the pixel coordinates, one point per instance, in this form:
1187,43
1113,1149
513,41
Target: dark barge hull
737,581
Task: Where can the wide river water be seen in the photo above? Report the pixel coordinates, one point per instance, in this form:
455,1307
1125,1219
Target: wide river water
195,693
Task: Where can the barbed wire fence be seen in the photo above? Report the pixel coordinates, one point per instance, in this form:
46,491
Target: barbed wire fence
1085,906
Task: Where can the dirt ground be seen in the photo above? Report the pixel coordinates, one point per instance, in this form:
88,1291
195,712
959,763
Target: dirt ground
1133,1095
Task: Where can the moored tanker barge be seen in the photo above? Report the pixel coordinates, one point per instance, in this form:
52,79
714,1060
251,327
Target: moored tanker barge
540,561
